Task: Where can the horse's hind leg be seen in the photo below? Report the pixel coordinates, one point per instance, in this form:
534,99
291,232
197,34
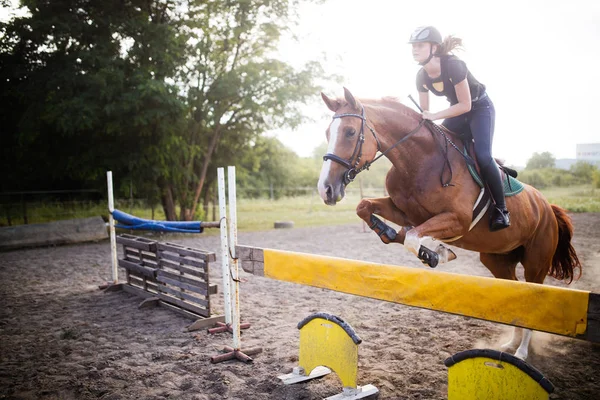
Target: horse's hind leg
536,261
503,266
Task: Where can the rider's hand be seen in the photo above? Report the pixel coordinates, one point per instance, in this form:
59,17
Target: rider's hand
428,115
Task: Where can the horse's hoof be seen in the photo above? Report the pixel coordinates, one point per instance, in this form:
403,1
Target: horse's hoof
521,353
445,254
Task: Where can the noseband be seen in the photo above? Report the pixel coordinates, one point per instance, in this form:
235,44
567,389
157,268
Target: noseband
352,164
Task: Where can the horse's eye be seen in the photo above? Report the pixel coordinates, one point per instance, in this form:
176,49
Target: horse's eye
350,132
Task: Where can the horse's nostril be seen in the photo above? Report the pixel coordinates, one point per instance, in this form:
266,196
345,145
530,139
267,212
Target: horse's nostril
329,191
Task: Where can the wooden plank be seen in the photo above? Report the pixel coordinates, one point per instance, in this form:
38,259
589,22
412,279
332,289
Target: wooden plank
185,305
137,291
180,311
131,253
187,251
213,289
173,282
181,259
145,271
204,323
147,284
149,302
181,268
185,296
137,242
184,279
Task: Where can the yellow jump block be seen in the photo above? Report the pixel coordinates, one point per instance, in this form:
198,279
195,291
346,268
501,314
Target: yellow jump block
492,375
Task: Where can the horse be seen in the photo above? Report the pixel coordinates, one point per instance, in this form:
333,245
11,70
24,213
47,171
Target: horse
431,195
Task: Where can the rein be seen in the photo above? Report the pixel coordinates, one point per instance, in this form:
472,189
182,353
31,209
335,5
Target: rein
352,170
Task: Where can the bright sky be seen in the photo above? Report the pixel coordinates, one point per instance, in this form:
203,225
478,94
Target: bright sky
538,58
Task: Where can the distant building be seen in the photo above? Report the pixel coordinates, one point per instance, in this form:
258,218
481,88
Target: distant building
589,152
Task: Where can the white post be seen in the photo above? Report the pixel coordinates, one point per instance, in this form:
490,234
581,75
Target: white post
224,246
235,300
111,224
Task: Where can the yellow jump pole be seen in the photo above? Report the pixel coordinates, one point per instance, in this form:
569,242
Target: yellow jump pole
566,312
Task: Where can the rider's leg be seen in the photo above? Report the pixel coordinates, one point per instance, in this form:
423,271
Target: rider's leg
458,125
482,128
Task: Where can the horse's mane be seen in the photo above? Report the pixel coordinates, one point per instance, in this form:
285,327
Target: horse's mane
393,103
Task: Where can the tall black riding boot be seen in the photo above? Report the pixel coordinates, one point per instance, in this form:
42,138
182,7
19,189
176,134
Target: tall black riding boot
499,217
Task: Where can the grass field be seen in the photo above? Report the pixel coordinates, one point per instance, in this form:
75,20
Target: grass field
261,214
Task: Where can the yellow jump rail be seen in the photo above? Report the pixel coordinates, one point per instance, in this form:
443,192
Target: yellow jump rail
566,312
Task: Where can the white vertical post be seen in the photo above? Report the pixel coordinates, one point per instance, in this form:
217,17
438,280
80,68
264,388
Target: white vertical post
111,224
224,246
235,300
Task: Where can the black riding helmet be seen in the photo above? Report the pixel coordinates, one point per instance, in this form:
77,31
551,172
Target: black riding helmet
426,34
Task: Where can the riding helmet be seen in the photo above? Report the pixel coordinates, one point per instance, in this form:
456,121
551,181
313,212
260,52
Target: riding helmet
426,34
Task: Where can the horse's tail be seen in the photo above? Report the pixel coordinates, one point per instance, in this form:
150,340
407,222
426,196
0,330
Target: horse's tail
565,260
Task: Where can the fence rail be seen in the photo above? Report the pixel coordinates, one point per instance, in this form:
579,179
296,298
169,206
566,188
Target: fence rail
22,208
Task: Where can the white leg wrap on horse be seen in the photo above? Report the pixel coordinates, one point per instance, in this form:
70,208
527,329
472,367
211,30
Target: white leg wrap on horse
514,340
412,242
523,350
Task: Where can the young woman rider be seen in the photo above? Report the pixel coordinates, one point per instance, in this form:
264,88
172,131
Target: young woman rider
471,111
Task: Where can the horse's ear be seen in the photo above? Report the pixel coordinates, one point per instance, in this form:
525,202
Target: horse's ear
350,99
333,105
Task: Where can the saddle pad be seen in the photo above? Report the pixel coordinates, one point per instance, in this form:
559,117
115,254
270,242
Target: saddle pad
511,185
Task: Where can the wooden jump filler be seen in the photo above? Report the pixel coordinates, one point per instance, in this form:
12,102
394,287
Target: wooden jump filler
493,375
329,343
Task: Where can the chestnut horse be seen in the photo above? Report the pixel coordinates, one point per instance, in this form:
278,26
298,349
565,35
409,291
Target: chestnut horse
540,233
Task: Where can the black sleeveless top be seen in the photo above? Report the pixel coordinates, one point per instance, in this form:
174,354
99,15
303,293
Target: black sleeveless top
454,71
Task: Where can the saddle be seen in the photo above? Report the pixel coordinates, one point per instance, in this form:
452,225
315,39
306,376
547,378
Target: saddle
511,185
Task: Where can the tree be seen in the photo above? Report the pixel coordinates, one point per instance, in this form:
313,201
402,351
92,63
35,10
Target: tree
583,170
158,91
236,90
541,160
87,89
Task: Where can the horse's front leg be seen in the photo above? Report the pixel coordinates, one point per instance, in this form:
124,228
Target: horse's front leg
385,208
445,225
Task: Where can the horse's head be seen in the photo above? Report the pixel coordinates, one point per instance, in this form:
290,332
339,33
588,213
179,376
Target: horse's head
348,147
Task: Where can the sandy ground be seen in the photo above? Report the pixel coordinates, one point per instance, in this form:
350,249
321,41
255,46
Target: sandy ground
62,338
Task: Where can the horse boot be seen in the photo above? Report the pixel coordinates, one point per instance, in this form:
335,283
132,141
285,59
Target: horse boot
499,219
385,231
428,257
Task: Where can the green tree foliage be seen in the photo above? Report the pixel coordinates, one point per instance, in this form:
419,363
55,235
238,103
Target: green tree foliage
583,170
236,89
596,179
86,91
159,91
541,160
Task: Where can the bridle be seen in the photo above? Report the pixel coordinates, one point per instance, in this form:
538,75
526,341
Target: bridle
351,165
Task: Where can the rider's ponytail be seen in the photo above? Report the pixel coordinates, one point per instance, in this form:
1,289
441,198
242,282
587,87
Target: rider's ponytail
449,44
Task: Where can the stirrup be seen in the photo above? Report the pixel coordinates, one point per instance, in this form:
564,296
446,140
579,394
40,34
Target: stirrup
500,219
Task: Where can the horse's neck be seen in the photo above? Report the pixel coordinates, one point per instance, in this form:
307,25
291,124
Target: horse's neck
392,125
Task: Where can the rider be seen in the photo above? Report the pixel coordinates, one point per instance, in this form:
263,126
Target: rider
471,110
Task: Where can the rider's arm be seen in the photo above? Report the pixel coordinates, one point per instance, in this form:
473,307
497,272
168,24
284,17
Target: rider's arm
463,94
424,100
